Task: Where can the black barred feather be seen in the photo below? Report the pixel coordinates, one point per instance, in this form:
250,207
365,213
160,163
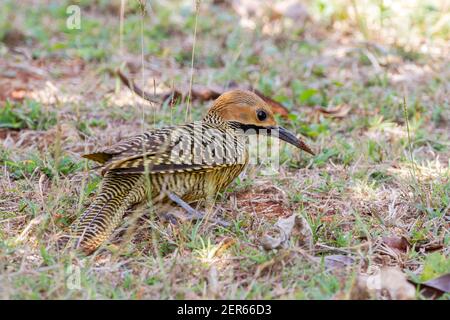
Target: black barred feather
196,161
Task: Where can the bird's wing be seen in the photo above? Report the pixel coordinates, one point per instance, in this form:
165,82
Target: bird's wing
192,147
148,143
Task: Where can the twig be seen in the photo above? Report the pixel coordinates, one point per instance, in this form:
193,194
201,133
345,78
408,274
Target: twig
413,173
136,89
27,229
197,9
196,93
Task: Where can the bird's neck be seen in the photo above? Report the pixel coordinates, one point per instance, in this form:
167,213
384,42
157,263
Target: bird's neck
217,121
214,119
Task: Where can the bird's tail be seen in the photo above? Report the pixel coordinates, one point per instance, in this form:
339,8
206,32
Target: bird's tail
104,215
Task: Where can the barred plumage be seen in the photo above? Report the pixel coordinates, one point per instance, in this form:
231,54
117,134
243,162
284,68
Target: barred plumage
194,162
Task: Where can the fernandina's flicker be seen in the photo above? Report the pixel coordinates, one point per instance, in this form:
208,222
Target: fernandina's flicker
177,165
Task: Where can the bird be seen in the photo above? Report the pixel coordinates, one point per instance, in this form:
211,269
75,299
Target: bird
176,166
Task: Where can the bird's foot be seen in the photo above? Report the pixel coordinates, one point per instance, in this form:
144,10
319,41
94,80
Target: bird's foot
192,214
170,217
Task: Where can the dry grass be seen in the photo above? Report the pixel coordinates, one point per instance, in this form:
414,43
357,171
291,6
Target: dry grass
369,187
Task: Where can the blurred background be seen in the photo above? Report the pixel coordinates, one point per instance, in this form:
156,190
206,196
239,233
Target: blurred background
317,60
366,82
269,44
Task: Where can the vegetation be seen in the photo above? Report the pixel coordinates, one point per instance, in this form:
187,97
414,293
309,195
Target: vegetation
366,82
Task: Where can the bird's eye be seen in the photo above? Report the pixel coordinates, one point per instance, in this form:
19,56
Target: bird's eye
261,114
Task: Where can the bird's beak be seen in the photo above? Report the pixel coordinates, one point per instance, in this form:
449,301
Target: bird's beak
289,137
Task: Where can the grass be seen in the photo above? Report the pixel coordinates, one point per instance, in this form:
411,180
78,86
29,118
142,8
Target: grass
380,171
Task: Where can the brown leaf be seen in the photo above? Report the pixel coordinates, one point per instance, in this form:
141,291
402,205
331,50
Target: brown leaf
18,94
278,236
136,89
340,111
224,246
395,282
430,246
198,92
435,287
204,93
304,233
441,283
400,244
388,282
14,38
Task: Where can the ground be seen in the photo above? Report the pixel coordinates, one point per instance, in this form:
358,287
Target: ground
374,201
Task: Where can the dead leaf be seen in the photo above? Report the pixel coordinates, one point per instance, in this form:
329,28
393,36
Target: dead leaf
14,38
441,283
303,231
273,239
389,283
136,89
206,93
340,111
18,94
224,246
399,244
278,236
140,293
435,287
428,247
199,92
396,283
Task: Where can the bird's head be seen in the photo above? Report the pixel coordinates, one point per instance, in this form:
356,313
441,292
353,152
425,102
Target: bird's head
248,112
